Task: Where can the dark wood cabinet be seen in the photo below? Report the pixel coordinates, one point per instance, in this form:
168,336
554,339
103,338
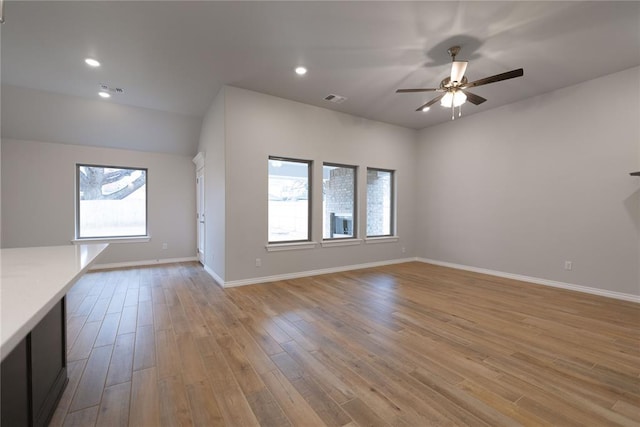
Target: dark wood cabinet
34,374
15,409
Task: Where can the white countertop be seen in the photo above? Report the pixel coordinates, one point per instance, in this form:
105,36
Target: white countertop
32,281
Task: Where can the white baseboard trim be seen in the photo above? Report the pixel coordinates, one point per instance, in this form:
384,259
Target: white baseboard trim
213,274
287,276
141,263
536,280
265,279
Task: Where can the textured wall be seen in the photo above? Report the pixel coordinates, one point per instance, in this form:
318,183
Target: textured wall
258,126
525,187
38,198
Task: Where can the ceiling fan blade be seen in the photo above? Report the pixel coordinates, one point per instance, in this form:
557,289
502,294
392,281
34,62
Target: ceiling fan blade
430,103
457,70
473,98
497,78
416,90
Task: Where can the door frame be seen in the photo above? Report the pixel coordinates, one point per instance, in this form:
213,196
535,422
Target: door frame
200,207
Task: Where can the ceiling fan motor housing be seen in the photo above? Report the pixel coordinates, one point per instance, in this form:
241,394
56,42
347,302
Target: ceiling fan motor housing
446,83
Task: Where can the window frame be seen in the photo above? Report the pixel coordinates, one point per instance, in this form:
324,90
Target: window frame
309,164
355,202
392,195
77,197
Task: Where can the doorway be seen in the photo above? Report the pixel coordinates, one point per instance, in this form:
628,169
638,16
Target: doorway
200,207
200,215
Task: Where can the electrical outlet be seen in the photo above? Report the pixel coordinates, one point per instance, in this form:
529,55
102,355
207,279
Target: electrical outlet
568,265
404,250
258,262
164,246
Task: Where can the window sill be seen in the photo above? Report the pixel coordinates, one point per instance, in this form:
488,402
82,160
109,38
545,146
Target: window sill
385,239
341,242
137,239
275,247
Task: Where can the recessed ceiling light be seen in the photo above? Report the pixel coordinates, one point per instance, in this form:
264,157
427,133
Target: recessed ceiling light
301,71
104,94
425,109
91,62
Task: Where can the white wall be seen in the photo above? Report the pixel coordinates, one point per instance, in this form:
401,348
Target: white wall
518,189
36,115
38,198
522,188
257,126
212,143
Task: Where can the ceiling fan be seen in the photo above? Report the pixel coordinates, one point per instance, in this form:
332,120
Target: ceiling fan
455,87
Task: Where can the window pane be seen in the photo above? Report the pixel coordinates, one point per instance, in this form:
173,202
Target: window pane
338,199
112,202
288,200
379,202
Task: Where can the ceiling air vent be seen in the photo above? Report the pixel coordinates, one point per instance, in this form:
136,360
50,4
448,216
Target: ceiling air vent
337,99
106,88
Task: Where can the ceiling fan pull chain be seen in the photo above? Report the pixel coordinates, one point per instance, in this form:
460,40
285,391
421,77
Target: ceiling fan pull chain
453,111
460,110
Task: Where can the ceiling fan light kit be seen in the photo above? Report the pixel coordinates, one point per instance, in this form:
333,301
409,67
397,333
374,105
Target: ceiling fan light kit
453,99
455,86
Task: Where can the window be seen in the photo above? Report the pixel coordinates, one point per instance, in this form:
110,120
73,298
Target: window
111,202
338,201
289,195
379,202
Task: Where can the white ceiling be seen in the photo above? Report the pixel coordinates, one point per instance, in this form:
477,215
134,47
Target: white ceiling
174,56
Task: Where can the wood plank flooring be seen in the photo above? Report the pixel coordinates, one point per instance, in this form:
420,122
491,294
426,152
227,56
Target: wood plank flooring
403,345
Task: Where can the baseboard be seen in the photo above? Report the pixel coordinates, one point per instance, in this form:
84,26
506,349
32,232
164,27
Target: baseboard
537,280
141,263
213,274
288,276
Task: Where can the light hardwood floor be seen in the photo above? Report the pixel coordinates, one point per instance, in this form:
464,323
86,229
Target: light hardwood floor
403,345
